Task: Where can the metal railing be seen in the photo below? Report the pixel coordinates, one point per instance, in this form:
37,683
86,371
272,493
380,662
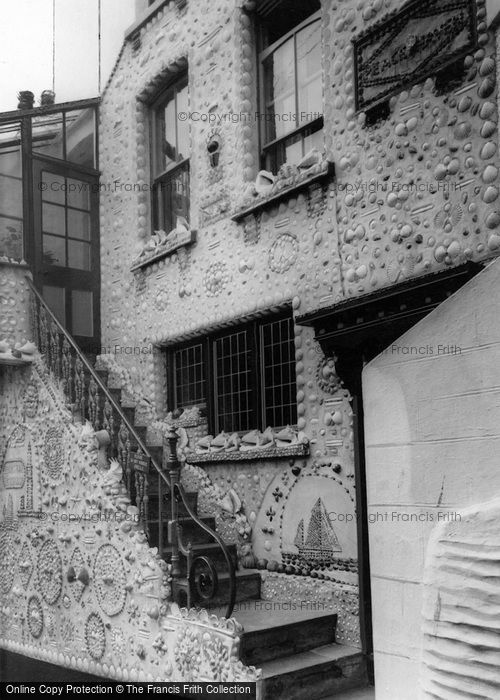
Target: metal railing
92,400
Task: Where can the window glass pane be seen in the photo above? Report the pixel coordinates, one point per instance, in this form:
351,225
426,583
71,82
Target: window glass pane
314,140
78,193
82,315
53,187
11,195
79,224
172,192
189,377
167,143
279,373
234,383
279,89
79,255
56,301
80,137
182,125
11,237
53,219
310,96
54,250
48,135
11,191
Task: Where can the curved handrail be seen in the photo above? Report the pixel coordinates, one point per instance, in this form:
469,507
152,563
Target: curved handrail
232,578
100,383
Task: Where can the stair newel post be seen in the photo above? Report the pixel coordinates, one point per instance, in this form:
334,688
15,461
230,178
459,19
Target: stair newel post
174,470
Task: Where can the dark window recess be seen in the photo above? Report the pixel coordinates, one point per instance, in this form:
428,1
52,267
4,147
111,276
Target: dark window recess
292,95
450,78
378,113
170,157
244,379
278,18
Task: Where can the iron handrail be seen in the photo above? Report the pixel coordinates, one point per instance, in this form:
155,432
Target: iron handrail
232,577
100,383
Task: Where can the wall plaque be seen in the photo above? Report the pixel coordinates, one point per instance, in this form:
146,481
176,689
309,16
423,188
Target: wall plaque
410,45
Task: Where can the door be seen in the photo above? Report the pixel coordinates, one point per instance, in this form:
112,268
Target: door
66,270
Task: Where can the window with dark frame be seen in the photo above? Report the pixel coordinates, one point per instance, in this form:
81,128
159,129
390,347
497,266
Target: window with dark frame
170,157
244,379
291,85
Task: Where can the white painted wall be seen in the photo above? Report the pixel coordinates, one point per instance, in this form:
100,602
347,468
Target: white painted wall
432,443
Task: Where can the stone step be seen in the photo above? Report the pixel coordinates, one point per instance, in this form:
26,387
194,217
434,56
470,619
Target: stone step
209,549
318,673
247,588
271,634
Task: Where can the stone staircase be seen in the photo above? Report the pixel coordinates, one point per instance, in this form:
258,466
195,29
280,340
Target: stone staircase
295,648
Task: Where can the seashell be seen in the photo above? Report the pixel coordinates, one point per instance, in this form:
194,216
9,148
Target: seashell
28,348
440,219
462,130
488,109
494,242
454,249
487,151
456,214
490,194
411,124
464,103
490,173
453,166
488,129
486,87
362,271
264,181
400,129
440,253
4,346
487,67
440,172
492,220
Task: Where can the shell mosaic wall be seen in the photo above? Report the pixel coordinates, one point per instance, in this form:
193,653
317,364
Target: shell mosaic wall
14,306
79,585
413,193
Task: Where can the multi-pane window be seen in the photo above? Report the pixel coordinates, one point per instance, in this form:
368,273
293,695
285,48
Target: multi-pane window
66,222
170,157
245,378
292,95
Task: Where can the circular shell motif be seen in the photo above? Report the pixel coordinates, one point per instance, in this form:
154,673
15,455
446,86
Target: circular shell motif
109,580
50,573
95,636
35,616
283,253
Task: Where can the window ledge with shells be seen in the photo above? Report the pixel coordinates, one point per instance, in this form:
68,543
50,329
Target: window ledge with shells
268,189
17,356
254,445
162,244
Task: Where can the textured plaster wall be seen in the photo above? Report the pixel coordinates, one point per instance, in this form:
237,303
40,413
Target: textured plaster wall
79,585
432,430
461,639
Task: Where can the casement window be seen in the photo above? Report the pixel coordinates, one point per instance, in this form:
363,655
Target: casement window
244,378
291,91
170,157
